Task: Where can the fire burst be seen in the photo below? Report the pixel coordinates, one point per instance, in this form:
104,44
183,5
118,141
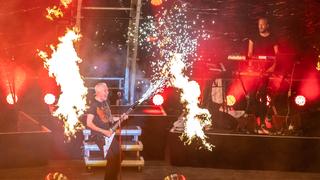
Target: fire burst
56,12
63,65
197,118
173,39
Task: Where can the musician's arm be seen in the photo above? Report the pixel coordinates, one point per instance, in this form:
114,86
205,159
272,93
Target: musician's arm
276,49
276,52
250,52
250,48
93,127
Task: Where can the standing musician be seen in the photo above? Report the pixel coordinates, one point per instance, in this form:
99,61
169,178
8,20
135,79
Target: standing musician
265,44
99,120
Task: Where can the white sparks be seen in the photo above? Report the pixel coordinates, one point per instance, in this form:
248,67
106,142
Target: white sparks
172,39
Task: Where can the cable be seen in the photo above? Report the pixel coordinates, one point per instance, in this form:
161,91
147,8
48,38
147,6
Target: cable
289,94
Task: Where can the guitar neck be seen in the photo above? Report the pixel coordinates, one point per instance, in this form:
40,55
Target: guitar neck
118,123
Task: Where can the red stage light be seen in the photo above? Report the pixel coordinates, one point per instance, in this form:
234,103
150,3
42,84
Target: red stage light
156,2
300,100
10,99
231,100
49,98
157,100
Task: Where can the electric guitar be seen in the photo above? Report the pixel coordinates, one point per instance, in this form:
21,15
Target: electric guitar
154,88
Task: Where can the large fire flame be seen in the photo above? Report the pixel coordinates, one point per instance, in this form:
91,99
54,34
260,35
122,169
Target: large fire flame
196,118
63,65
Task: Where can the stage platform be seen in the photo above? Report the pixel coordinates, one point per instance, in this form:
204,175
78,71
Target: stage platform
28,143
249,151
153,170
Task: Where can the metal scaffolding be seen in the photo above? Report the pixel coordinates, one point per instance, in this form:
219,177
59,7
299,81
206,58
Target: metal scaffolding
132,42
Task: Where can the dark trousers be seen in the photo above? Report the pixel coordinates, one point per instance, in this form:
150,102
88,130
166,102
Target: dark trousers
113,161
261,100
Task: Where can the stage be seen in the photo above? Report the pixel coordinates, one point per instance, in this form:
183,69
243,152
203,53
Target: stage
153,170
249,151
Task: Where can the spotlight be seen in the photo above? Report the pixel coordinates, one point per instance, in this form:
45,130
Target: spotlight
268,100
300,100
156,2
49,98
157,100
175,176
231,100
10,99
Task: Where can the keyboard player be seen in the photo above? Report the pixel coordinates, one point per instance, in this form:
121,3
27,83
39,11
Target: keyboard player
263,44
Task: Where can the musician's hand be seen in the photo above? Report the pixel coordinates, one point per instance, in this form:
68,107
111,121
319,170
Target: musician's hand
116,118
107,133
124,116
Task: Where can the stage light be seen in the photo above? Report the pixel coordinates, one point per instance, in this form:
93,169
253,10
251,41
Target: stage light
10,99
231,100
157,100
56,176
175,177
300,100
156,2
49,98
268,100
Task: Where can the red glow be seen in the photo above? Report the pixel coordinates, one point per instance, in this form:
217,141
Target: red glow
47,83
237,89
157,100
300,100
13,79
310,88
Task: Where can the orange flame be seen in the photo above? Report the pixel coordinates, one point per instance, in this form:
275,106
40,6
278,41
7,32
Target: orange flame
63,65
197,118
54,12
65,3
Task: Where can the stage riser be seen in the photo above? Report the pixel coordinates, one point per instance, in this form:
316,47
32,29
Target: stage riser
28,145
249,152
24,149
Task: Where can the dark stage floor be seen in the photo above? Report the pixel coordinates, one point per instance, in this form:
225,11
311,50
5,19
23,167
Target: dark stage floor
153,170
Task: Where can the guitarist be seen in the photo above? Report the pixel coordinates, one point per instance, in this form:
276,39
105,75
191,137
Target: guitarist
100,120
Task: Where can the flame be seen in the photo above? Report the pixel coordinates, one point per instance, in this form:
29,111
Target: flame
63,66
197,118
65,3
54,12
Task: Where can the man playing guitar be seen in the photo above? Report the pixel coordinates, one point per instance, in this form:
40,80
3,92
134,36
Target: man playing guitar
100,120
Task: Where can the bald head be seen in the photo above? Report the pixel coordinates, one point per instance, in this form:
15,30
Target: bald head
102,91
263,25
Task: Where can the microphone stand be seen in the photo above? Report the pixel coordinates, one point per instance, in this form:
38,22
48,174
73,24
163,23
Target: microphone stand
289,96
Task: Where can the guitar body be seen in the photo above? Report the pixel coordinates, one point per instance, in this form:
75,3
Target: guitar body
108,142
